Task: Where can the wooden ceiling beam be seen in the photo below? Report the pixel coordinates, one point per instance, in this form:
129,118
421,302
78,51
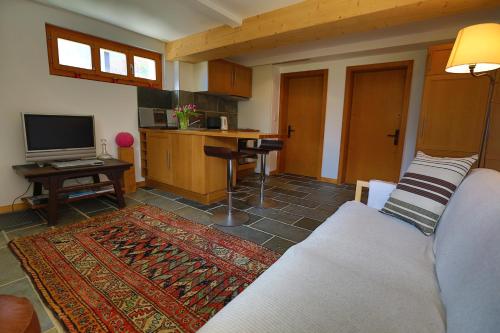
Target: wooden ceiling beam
312,20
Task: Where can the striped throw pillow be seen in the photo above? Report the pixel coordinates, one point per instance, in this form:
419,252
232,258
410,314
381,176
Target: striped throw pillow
425,189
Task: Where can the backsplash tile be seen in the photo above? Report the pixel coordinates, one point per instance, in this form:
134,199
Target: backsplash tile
208,105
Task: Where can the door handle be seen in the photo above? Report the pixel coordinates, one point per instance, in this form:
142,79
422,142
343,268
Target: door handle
290,130
395,136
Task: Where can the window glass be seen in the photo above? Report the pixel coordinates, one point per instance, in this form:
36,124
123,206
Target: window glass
113,62
74,54
144,68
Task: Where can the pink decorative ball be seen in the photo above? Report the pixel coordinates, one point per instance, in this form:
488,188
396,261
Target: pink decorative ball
124,139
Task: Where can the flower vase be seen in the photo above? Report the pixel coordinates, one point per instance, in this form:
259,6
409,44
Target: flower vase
183,121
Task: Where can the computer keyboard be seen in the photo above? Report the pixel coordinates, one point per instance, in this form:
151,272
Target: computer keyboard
76,164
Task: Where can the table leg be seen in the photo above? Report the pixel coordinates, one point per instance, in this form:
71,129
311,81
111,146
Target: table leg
52,207
116,178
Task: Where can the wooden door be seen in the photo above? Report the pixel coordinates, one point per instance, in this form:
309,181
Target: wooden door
242,81
302,113
220,76
377,104
159,158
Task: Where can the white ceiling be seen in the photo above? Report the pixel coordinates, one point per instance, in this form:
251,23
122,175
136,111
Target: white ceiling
169,19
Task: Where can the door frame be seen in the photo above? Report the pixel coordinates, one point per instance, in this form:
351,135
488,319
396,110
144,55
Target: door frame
346,116
283,113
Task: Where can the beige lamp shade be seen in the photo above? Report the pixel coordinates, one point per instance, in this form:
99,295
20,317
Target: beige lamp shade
477,45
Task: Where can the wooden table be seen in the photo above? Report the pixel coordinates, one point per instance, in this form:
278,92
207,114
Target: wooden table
53,179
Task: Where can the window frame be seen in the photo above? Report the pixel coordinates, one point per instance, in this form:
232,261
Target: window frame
96,43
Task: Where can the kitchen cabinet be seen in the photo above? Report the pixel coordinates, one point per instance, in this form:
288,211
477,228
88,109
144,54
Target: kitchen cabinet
175,161
453,108
228,78
159,157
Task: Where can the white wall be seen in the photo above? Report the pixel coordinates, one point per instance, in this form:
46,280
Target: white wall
26,86
261,111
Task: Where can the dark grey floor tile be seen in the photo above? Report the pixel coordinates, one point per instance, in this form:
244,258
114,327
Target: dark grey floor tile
297,201
254,201
69,216
307,212
254,184
238,204
305,184
247,233
282,230
278,244
28,231
147,188
141,195
129,202
89,205
293,193
275,214
11,268
241,195
253,217
3,240
23,288
330,208
194,215
20,219
197,204
102,211
164,203
165,194
308,223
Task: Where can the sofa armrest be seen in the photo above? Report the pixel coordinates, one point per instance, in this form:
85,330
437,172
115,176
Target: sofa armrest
378,192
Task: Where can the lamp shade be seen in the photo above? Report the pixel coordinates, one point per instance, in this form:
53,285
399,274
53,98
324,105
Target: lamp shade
477,45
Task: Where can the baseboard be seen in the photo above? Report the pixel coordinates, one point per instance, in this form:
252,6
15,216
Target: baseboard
141,183
328,180
274,173
17,207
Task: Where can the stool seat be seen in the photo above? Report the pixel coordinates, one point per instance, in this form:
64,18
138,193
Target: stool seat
223,152
17,315
265,147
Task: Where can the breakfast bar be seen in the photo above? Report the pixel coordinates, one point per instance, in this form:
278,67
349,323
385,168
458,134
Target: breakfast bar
174,160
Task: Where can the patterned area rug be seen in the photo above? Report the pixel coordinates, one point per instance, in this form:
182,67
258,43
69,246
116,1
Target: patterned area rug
140,269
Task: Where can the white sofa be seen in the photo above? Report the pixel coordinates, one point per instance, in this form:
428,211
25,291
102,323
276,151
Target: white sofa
363,271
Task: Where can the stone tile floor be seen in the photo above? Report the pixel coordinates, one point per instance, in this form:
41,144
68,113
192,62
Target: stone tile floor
303,204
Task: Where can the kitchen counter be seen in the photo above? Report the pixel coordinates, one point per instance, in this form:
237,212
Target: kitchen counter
236,134
175,161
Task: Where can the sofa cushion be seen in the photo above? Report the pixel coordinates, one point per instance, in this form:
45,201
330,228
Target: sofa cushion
425,189
467,247
360,271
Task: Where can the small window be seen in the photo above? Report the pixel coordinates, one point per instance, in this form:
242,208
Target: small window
113,62
82,56
74,54
144,68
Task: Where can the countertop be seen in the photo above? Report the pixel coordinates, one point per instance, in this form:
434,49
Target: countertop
238,134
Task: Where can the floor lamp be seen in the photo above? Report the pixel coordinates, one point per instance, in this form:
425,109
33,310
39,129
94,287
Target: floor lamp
477,51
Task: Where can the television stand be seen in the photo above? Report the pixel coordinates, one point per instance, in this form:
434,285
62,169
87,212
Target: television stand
53,179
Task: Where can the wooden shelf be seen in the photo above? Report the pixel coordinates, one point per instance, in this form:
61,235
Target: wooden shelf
69,200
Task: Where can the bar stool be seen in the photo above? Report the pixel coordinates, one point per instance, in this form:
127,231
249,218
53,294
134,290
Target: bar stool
266,146
229,217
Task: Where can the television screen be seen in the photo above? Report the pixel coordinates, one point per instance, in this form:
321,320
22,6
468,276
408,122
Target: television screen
52,132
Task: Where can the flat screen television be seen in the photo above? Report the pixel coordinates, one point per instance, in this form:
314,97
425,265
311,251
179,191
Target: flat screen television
50,137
